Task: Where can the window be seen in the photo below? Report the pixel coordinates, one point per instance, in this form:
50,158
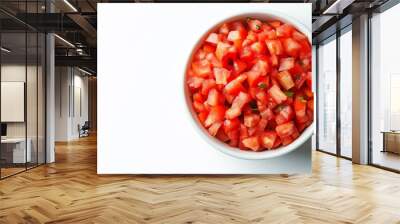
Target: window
346,92
385,89
327,96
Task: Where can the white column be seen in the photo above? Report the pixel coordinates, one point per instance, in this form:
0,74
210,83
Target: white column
360,90
50,93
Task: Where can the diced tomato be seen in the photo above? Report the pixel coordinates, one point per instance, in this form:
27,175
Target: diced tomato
239,66
298,36
299,80
284,30
258,47
213,97
198,97
274,60
261,96
308,79
230,125
213,129
212,39
202,116
208,48
251,143
199,107
235,35
277,142
291,47
310,104
229,57
284,115
213,60
305,49
274,47
238,25
251,37
300,106
252,77
206,86
228,97
260,66
222,50
309,94
287,140
275,24
243,134
285,79
296,69
201,68
252,131
268,139
295,134
306,64
221,135
277,94
221,75
286,64
243,131
247,54
310,115
200,55
262,124
251,120
267,114
235,86
216,114
195,82
224,29
237,105
255,25
261,106
274,79
234,134
286,129
263,35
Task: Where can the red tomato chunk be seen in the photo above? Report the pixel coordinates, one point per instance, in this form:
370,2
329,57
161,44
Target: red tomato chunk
250,84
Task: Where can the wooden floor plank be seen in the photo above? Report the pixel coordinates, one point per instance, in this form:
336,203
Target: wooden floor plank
70,191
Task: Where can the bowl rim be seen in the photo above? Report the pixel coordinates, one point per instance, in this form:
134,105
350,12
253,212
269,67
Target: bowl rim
223,147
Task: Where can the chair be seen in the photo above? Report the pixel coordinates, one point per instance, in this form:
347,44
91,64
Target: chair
84,130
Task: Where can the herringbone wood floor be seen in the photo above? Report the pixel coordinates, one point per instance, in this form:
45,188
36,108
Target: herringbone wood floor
69,191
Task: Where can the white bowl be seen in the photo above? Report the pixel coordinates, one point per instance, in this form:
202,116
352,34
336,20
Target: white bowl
217,144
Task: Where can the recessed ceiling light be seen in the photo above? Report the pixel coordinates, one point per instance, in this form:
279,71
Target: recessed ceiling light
338,6
5,50
70,5
64,40
84,71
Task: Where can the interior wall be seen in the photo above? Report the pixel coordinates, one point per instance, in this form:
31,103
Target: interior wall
71,102
62,81
92,87
16,72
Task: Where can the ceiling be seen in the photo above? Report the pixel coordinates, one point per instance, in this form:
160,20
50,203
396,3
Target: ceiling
76,21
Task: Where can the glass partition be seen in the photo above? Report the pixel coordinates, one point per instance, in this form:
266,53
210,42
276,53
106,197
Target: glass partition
15,152
22,92
41,107
32,95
